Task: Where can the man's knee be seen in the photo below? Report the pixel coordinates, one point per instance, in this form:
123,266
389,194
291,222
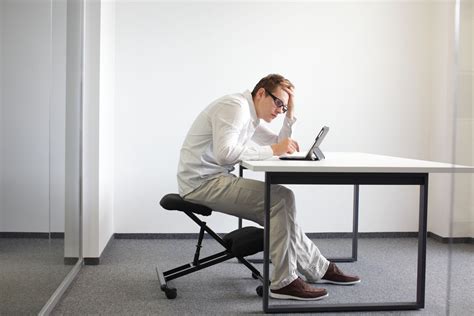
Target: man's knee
286,196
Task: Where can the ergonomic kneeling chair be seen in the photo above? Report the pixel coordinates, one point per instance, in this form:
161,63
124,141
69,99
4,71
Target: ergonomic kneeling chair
238,244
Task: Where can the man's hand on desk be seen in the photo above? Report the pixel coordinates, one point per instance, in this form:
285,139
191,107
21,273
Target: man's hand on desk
286,146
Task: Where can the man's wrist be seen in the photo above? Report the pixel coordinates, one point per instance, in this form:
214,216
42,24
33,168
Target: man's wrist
272,146
289,114
291,118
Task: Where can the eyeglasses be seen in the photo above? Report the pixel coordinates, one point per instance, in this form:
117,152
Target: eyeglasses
279,103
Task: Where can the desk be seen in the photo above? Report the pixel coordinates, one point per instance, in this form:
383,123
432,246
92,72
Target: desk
352,169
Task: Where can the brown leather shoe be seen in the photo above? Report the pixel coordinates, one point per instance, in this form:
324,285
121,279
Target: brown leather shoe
299,290
335,276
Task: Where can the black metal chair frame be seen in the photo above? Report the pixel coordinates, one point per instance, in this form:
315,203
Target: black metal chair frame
202,263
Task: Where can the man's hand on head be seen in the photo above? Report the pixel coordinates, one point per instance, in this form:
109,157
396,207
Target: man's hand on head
291,101
286,146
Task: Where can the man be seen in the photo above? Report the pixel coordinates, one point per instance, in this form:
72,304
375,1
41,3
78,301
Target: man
229,131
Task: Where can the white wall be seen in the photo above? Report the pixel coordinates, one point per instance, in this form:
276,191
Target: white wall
472,103
462,206
363,69
98,135
91,129
1,111
25,115
463,217
74,99
33,116
107,122
442,116
450,204
58,115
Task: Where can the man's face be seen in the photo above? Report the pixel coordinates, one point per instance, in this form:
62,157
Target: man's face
269,108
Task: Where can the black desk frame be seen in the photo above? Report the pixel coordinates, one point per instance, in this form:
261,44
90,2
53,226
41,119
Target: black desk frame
356,179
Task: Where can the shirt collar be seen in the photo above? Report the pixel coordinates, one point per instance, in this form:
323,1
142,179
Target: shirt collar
253,112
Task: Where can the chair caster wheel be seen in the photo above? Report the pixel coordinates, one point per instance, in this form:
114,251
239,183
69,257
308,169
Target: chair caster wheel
170,293
254,276
259,290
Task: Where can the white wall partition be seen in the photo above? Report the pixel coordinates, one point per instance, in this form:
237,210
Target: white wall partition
463,212
107,123
98,126
33,116
442,115
32,155
58,115
1,111
452,121
26,62
472,100
90,125
365,69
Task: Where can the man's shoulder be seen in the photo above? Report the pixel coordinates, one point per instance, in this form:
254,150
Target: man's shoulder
235,100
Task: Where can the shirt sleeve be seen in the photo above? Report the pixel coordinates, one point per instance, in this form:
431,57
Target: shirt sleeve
228,133
264,136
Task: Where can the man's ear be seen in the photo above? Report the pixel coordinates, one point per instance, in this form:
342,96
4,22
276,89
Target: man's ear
261,92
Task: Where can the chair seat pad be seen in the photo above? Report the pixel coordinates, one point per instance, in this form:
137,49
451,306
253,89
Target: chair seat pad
245,241
174,202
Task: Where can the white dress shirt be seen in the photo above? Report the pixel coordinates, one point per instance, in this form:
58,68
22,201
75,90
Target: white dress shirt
225,133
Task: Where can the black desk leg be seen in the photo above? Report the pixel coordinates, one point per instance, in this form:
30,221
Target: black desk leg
266,243
355,223
422,232
355,229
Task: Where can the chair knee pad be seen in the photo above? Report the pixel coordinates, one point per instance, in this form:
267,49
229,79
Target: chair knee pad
245,241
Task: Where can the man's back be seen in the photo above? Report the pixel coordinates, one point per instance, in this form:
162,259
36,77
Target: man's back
201,153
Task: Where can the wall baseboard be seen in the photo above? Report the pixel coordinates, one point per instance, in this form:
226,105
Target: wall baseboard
93,261
163,236
310,235
452,240
31,235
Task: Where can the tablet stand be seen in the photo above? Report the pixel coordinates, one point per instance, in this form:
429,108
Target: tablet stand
317,154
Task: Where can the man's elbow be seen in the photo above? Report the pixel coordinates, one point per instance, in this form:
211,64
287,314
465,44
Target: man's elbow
225,157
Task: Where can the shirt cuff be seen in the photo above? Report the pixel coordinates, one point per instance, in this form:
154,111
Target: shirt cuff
289,121
266,152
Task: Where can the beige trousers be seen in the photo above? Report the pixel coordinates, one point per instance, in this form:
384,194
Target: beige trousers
291,251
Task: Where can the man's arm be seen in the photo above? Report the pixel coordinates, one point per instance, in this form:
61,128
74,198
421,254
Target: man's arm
265,136
227,126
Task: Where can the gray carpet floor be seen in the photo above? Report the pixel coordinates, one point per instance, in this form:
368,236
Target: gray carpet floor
30,271
125,282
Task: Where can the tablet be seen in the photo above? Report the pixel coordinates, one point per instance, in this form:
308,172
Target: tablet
314,153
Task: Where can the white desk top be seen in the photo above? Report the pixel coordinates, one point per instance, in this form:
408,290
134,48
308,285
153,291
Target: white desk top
356,162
